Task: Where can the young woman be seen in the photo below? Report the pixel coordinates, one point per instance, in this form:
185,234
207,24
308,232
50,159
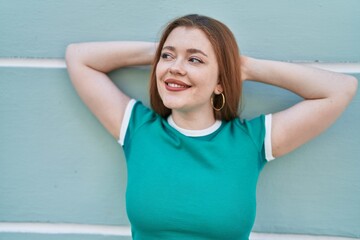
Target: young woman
192,163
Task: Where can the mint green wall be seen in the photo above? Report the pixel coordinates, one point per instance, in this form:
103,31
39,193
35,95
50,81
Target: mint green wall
27,236
324,30
58,164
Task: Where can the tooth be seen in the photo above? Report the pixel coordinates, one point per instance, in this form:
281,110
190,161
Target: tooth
175,85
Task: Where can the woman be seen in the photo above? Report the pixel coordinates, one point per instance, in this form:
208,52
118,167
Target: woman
192,164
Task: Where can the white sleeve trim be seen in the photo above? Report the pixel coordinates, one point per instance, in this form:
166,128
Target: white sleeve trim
267,140
125,121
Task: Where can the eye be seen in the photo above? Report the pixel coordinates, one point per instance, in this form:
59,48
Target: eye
195,60
166,56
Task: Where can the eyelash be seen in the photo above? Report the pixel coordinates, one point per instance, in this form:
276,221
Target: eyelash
197,60
165,55
191,59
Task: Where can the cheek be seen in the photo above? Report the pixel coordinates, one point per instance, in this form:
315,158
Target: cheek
160,70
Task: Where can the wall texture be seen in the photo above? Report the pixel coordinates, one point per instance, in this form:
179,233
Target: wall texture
59,165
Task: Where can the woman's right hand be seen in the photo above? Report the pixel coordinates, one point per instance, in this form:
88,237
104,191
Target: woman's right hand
88,65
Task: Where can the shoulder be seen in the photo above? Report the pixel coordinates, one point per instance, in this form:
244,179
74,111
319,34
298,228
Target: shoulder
258,129
136,114
249,126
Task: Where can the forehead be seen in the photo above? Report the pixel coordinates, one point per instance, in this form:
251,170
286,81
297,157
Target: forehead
188,37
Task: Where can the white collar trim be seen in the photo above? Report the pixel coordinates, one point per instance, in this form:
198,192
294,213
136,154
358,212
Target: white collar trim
194,133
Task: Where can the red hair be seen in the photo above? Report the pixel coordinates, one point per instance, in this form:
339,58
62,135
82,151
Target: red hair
228,58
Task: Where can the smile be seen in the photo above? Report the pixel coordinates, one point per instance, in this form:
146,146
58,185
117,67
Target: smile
175,85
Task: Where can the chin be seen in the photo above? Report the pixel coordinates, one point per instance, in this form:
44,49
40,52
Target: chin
172,104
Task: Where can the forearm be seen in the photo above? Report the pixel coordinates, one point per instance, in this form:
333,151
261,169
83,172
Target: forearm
307,82
107,56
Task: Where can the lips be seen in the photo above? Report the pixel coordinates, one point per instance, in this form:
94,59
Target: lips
175,85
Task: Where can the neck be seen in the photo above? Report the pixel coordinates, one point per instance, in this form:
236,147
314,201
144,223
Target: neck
192,120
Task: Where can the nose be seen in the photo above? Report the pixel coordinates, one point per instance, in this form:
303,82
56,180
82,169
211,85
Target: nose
177,68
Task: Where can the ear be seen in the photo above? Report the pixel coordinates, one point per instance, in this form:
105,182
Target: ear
218,89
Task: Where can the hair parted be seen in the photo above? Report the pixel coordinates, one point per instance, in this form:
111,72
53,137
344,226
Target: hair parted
228,57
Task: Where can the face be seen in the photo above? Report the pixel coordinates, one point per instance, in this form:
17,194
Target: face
187,71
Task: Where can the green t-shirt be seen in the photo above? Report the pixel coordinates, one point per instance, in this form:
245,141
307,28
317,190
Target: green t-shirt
182,187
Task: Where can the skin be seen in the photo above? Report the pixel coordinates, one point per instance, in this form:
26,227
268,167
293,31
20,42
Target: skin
326,94
188,58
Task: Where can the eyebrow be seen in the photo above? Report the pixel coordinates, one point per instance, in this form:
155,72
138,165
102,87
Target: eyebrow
190,50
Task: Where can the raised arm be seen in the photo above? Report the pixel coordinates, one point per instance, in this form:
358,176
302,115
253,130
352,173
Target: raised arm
326,95
88,65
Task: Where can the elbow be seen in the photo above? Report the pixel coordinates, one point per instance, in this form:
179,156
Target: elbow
352,86
73,54
70,53
345,91
348,90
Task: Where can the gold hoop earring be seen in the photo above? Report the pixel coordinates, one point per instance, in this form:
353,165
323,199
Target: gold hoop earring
222,105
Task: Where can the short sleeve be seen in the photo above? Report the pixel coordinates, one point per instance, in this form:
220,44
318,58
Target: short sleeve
136,114
267,142
125,121
259,130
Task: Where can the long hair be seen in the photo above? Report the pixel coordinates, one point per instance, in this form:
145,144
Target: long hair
228,58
